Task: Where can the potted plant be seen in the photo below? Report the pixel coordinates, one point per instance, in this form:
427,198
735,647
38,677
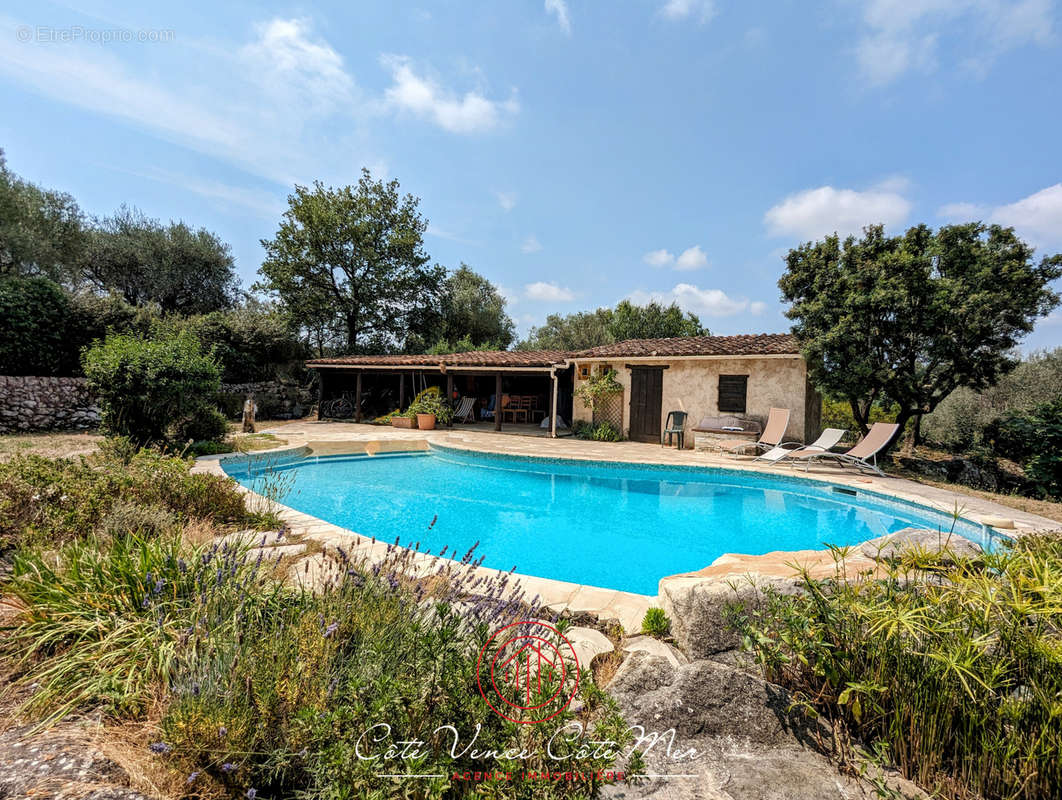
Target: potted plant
403,419
429,409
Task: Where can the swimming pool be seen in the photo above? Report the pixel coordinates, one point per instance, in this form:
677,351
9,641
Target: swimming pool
608,524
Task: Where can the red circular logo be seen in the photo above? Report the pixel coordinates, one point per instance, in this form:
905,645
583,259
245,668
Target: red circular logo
528,672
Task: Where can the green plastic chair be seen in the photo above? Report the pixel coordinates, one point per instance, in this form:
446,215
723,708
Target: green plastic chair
674,426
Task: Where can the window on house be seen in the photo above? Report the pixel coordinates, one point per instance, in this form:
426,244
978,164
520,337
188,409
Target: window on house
733,389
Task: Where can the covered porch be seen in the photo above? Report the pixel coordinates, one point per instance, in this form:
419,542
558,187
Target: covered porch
528,394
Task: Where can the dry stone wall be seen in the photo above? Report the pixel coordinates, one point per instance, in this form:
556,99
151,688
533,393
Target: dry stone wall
29,403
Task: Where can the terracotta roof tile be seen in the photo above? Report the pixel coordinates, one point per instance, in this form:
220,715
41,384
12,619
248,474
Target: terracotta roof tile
759,344
744,345
484,358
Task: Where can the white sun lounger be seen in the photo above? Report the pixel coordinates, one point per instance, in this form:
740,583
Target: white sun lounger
827,439
864,455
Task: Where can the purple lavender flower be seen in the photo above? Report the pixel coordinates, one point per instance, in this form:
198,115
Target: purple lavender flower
228,767
251,794
192,777
331,629
159,747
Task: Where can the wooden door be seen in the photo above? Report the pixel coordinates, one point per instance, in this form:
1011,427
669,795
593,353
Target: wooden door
647,391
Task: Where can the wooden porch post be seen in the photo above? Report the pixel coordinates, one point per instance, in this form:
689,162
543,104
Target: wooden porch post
450,396
357,399
497,402
553,407
320,390
401,390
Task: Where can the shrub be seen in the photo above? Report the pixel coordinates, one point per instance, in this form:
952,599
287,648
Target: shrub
655,622
109,621
209,425
146,388
371,648
965,419
55,500
1033,439
954,667
601,432
36,314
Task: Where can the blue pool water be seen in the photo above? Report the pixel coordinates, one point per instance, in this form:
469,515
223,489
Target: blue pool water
619,526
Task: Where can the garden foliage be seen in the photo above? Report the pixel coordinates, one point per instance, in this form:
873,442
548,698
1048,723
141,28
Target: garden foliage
954,664
151,390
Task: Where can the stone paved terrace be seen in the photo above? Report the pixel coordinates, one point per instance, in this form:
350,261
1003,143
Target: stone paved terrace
628,608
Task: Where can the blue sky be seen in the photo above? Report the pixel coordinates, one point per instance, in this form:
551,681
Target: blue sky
576,153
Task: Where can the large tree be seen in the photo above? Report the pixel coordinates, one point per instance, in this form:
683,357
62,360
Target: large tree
907,319
586,329
184,271
653,321
42,232
353,259
578,331
473,311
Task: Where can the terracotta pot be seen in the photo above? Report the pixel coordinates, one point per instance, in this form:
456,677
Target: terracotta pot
403,422
426,422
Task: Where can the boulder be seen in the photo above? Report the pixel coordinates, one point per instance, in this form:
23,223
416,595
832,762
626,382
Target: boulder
587,644
696,602
893,545
748,744
697,607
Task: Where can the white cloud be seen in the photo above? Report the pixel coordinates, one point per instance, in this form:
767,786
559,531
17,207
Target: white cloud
530,245
507,200
311,72
704,10
814,213
422,96
559,9
551,292
902,35
222,195
658,258
261,103
1037,217
692,258
707,302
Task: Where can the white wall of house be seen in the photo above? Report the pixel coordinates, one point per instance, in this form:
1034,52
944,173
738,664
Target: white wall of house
691,384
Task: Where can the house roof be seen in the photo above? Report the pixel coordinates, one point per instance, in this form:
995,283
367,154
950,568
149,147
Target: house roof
759,344
480,358
762,344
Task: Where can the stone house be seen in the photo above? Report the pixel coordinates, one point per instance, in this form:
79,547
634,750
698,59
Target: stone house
704,376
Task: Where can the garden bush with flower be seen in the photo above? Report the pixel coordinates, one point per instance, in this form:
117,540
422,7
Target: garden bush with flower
254,686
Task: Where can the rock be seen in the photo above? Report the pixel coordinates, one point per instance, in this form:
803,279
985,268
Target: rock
893,545
697,608
61,765
696,602
587,644
748,744
647,644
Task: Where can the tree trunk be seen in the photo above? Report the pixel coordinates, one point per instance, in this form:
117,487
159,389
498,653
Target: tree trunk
901,419
860,416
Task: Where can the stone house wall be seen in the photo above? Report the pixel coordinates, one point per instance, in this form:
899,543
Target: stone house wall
692,385
29,403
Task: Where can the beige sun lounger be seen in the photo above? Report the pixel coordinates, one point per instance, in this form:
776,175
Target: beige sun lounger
773,433
864,455
827,439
